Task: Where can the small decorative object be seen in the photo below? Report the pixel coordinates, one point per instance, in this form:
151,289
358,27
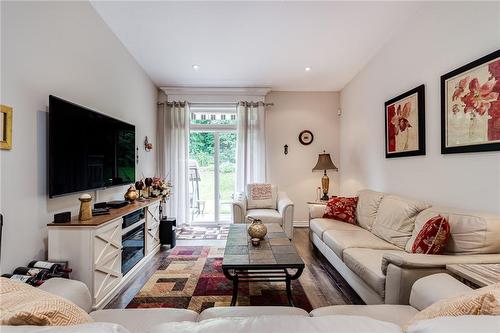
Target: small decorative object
257,229
325,163
285,149
85,213
306,137
131,194
318,193
255,241
5,127
139,185
470,107
148,182
405,124
148,146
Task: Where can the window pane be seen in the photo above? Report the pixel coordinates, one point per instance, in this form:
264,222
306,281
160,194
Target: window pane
201,176
213,118
227,173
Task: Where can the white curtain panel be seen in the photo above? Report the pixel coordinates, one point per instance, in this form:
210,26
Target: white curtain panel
251,154
174,155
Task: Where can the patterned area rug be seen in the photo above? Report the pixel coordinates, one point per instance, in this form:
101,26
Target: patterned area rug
191,278
210,232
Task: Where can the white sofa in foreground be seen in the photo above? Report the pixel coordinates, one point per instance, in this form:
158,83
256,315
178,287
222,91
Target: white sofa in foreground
375,257
345,318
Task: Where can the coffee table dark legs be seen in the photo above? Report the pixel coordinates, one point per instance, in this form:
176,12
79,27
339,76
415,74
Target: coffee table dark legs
235,290
289,290
263,275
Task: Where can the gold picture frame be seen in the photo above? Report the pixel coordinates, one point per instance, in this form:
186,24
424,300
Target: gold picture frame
5,127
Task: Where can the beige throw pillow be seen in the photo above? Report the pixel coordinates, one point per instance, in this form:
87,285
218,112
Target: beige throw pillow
22,304
261,196
483,301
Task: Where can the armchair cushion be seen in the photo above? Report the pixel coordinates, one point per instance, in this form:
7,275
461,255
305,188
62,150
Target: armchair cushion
266,215
262,196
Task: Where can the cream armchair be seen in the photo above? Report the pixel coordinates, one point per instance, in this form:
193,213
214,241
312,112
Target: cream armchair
282,214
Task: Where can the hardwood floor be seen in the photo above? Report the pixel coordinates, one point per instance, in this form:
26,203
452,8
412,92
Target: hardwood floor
322,283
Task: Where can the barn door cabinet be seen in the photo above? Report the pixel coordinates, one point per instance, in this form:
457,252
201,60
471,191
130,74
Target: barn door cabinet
93,248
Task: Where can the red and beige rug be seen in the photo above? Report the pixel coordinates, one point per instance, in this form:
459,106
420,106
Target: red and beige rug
191,278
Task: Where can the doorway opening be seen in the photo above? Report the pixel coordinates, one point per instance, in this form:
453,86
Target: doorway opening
212,163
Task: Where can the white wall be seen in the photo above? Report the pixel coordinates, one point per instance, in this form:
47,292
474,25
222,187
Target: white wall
65,49
442,37
292,113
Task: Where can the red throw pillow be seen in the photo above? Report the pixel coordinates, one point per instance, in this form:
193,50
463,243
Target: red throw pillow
433,237
342,209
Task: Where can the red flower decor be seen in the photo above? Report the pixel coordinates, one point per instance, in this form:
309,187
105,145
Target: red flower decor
479,97
400,119
342,209
433,237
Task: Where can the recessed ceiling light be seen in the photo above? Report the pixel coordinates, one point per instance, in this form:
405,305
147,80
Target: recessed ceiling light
196,67
307,69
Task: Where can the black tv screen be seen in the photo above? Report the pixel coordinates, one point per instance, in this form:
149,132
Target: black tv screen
87,150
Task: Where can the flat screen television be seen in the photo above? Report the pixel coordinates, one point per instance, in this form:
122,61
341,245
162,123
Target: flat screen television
87,150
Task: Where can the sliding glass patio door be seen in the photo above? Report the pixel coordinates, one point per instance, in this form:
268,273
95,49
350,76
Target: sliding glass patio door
212,163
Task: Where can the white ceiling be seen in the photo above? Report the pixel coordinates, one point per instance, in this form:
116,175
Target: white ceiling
254,44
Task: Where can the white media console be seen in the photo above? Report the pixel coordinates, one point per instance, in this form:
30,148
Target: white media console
93,248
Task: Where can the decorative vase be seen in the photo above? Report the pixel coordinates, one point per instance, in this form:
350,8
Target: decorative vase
131,194
257,229
85,213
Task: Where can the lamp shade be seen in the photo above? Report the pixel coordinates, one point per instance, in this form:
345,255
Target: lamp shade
324,163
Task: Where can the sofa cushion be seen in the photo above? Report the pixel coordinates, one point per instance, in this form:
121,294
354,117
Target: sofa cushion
397,314
281,324
262,196
141,320
470,232
341,209
462,324
266,215
366,210
367,263
22,304
339,240
320,225
81,328
249,311
395,219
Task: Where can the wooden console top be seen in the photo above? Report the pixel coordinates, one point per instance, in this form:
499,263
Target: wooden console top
99,220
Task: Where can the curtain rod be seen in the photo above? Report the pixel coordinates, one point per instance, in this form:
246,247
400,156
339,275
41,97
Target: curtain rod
214,105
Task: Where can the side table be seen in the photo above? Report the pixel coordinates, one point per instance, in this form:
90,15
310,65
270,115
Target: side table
476,275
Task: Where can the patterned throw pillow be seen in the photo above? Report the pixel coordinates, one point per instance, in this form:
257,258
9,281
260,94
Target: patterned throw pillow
342,209
261,196
22,304
483,301
433,236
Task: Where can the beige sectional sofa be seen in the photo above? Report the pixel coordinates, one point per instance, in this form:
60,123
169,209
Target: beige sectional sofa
374,256
382,318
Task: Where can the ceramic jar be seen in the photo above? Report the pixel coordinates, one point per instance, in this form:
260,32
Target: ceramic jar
257,229
85,213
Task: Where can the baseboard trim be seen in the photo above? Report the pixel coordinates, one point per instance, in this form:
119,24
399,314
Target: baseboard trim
301,224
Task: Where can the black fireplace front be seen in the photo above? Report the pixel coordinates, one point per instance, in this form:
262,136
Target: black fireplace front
133,240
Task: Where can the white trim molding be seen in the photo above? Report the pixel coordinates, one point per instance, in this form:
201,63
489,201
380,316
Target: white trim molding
215,95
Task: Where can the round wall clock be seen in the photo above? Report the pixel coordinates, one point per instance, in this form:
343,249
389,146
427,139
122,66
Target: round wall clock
306,137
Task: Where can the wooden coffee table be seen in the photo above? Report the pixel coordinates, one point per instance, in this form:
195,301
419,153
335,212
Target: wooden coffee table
274,260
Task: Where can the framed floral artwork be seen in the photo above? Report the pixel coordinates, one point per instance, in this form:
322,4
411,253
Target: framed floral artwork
470,107
405,124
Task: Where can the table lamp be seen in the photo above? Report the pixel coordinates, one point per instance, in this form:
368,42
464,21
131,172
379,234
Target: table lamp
325,163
